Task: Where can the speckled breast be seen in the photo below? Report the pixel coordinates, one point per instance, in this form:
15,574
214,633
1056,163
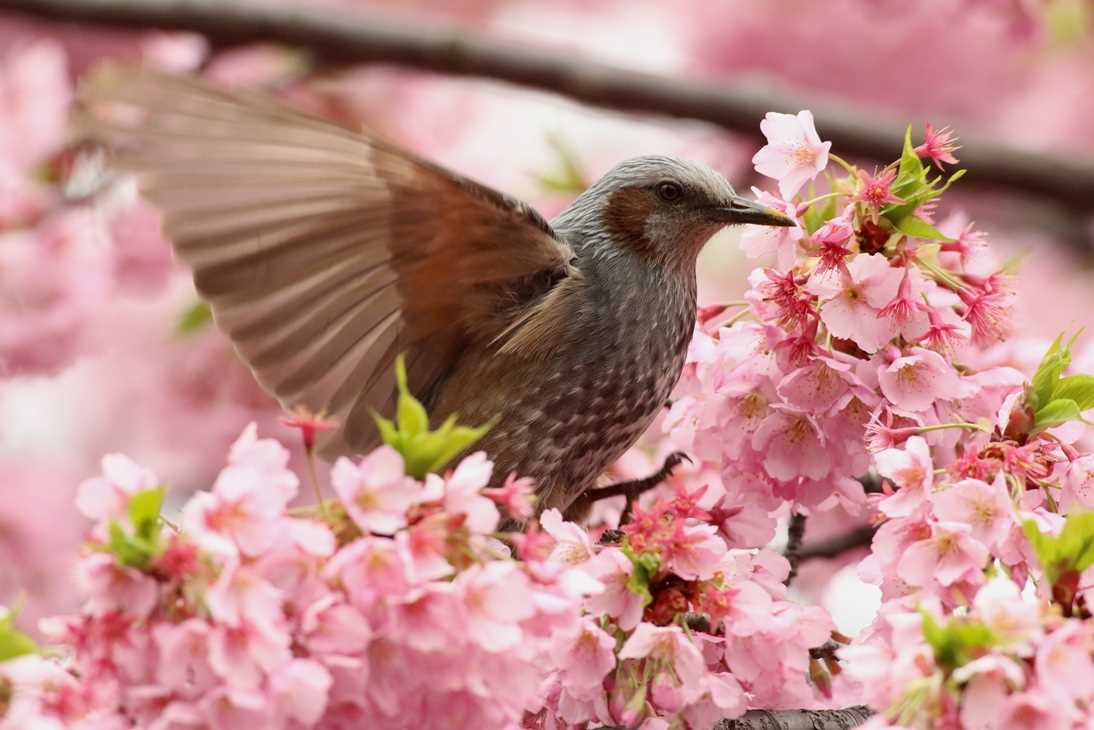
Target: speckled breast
565,420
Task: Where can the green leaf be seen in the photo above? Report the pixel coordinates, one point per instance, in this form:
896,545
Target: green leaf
1075,542
957,642
144,512
1079,388
131,551
410,413
1057,411
1044,546
13,642
194,319
570,178
645,570
911,166
1047,378
819,213
388,433
919,228
1069,552
139,548
1044,379
458,439
953,178
423,450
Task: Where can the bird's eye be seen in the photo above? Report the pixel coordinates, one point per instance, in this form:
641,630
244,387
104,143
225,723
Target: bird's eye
670,191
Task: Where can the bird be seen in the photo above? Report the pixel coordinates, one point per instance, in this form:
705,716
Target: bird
325,252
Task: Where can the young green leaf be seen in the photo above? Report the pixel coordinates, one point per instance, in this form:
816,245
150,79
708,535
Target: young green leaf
423,450
646,566
13,642
569,178
458,439
194,319
1079,388
956,642
131,551
1069,552
1075,542
144,512
819,213
911,167
919,228
1044,546
1046,379
410,413
1056,412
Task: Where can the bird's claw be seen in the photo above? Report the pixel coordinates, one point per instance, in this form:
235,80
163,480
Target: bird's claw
634,488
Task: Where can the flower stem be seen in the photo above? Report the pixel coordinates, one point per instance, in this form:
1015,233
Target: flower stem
820,198
940,274
958,424
309,456
737,318
851,169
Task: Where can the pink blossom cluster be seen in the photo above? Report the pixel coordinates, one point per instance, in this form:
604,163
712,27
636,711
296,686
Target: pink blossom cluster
851,334
395,605
1009,662
62,253
686,631
391,607
866,350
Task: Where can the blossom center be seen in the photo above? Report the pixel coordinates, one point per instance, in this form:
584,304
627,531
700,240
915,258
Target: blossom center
753,406
804,156
573,553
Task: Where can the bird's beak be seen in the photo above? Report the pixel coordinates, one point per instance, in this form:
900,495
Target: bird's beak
741,210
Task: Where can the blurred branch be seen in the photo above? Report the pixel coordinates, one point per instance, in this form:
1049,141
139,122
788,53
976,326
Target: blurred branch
795,719
837,545
353,37
795,533
798,719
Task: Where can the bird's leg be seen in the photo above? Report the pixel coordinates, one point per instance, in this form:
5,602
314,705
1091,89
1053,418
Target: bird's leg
631,489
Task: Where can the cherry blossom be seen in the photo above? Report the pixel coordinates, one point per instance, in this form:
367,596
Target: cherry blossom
794,153
948,555
938,146
855,301
781,242
917,380
376,491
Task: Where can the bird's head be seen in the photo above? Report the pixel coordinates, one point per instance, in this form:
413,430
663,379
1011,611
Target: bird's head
666,209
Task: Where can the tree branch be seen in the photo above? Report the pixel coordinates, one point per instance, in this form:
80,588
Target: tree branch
795,533
345,37
798,719
835,546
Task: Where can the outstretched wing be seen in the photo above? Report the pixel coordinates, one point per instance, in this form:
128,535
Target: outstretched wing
323,252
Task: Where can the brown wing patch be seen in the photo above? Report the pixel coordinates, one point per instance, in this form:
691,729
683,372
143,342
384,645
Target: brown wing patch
323,252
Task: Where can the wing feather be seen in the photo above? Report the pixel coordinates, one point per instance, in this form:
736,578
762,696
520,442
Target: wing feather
322,251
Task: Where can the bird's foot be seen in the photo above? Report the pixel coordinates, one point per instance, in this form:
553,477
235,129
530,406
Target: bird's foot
631,489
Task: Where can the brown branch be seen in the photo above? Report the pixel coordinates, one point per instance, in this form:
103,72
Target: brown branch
835,546
844,719
353,37
798,719
795,533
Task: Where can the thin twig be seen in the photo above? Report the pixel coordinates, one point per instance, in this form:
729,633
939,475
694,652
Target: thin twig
795,533
358,37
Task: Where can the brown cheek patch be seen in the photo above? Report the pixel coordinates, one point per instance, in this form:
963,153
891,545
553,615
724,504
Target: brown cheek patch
625,219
